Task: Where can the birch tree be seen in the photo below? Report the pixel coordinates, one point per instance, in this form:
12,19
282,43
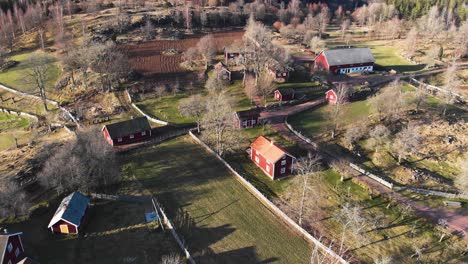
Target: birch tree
342,92
307,169
206,47
194,107
407,142
38,74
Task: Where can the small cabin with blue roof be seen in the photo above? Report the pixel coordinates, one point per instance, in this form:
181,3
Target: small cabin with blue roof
70,214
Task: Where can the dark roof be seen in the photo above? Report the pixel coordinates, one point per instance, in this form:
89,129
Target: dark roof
221,66
128,127
288,90
71,209
251,113
348,56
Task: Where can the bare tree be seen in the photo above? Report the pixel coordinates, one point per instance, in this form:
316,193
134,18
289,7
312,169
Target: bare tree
383,260
250,88
323,20
85,163
215,84
356,132
265,86
344,27
317,44
13,200
306,169
352,222
110,64
206,47
419,98
461,182
41,36
39,74
379,136
194,107
342,93
411,42
407,142
452,82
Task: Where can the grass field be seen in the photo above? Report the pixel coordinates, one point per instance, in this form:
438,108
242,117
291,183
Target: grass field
223,222
113,232
315,123
12,126
15,77
166,108
21,103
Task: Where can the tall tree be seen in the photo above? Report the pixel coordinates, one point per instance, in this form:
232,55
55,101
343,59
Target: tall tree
194,107
265,86
39,73
342,92
207,48
407,142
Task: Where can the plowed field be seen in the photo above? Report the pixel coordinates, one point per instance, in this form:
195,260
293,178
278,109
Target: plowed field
147,58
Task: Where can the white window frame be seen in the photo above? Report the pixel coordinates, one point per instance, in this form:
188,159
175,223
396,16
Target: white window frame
143,133
119,140
244,123
283,162
283,170
257,159
10,247
132,136
17,252
254,122
268,168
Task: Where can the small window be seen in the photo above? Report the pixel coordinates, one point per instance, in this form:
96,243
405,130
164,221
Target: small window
283,170
283,162
10,247
257,159
119,140
254,121
268,168
244,123
143,133
17,252
132,136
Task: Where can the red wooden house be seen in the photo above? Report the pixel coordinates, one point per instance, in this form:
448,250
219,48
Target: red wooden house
279,75
271,158
11,247
346,60
331,96
70,214
284,94
127,131
247,118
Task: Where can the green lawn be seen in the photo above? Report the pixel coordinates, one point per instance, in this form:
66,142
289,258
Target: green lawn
18,102
223,222
315,122
165,108
15,77
240,100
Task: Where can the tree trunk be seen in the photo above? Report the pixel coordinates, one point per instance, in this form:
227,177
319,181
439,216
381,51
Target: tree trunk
198,127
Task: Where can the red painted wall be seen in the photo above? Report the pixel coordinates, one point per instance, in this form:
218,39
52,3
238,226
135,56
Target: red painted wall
335,69
321,62
16,243
331,96
71,228
262,163
126,139
250,123
288,166
280,97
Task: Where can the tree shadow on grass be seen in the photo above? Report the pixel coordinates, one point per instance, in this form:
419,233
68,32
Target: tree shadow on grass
242,255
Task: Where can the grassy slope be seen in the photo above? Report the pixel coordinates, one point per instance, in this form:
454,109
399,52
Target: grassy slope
22,103
15,77
227,219
12,126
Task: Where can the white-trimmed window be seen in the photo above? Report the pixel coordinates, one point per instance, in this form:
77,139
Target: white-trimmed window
244,123
254,121
283,162
10,247
283,170
268,168
17,252
257,160
119,140
143,133
132,136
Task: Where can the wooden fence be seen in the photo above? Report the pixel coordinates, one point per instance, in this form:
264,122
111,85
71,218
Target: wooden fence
150,118
19,113
272,207
372,176
436,90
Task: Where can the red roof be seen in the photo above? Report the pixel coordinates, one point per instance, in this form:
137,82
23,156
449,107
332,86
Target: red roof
269,149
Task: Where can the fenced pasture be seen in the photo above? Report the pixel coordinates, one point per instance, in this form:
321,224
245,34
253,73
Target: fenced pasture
148,58
220,221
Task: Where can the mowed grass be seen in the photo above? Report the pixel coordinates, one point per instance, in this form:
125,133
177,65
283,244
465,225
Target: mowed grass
11,127
15,77
166,108
316,122
223,222
113,232
21,103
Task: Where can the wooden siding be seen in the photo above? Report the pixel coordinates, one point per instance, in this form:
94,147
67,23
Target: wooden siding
11,255
273,169
57,228
126,139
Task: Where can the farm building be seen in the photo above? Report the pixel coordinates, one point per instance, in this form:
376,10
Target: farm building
247,118
272,159
70,214
331,96
11,247
346,60
279,75
231,53
127,131
222,71
284,94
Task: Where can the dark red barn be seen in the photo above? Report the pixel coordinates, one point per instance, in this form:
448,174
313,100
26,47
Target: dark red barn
271,158
284,94
247,118
127,131
70,214
347,60
11,247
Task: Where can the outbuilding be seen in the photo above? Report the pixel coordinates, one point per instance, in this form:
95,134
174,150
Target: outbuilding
285,94
222,72
11,247
279,74
127,131
70,214
248,118
271,158
345,60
